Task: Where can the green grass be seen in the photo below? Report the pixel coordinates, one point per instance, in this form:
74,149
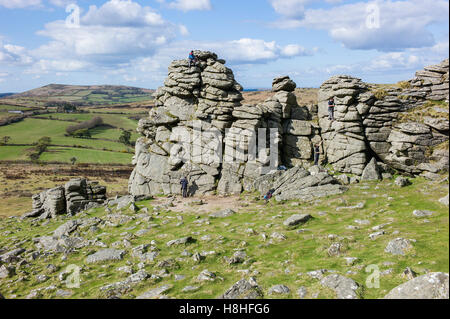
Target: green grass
30,130
116,120
64,154
8,153
6,108
278,262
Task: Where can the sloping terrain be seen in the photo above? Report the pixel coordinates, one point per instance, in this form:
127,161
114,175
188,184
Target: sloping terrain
347,233
79,94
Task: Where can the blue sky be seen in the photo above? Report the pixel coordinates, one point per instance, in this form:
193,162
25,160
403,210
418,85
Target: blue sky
132,42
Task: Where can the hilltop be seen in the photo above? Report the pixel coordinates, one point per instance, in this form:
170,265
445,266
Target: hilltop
81,95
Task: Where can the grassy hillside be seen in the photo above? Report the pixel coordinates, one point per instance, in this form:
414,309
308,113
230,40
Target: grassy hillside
105,138
18,181
85,95
271,261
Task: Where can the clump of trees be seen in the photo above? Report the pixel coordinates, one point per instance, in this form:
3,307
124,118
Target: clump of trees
125,137
4,140
63,107
82,129
39,147
83,133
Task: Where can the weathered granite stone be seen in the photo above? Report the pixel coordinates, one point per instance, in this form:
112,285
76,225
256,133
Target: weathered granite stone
430,286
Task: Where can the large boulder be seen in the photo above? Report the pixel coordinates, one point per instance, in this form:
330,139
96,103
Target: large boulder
430,286
283,83
298,183
371,171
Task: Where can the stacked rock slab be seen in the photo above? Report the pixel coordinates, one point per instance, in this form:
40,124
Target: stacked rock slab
290,137
430,84
206,98
193,110
75,196
299,183
344,139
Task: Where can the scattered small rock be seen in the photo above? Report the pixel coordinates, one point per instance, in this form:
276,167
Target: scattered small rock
398,246
156,293
344,287
422,213
402,181
279,289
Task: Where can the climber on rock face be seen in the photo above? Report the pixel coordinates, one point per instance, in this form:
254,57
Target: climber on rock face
331,109
317,153
192,59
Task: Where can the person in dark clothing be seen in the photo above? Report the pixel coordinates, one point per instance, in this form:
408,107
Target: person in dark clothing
269,194
192,59
184,186
317,153
331,109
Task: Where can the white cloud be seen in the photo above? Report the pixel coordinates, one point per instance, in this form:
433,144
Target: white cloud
45,66
252,51
402,24
14,54
292,50
122,13
290,8
61,3
19,4
183,30
189,5
107,36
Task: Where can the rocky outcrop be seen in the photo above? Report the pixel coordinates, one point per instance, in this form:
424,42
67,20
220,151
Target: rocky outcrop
401,126
75,196
429,84
201,130
344,140
171,147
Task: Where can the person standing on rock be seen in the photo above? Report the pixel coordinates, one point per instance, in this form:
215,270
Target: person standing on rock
317,153
192,59
184,186
331,109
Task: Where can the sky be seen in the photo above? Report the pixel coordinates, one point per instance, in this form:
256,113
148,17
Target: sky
132,42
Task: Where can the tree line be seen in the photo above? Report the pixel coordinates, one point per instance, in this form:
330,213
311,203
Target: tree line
81,130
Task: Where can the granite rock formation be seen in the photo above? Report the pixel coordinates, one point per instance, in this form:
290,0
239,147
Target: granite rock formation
201,130
75,196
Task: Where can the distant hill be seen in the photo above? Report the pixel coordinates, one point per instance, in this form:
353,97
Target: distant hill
84,95
6,94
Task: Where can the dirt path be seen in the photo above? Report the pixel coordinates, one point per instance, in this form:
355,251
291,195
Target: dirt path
210,203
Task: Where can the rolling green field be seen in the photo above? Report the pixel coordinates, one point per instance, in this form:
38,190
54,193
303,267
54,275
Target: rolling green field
86,95
64,154
103,147
11,153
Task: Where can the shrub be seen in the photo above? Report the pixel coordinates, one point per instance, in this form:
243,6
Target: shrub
380,94
94,122
404,85
125,137
83,133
